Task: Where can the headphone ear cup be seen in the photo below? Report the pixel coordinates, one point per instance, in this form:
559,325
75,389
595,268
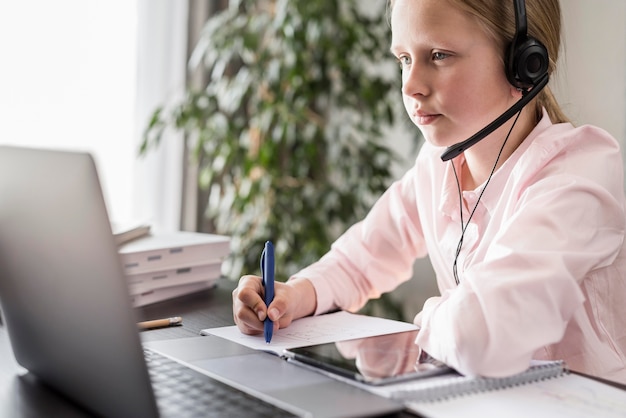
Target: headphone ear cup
528,62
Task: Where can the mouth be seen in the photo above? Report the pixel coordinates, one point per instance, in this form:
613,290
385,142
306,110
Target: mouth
425,118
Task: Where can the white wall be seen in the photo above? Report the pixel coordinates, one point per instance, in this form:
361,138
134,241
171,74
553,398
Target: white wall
591,79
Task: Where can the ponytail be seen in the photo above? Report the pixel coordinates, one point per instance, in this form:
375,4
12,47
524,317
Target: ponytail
546,100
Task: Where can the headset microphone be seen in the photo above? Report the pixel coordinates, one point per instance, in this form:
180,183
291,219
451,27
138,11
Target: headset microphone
526,68
527,96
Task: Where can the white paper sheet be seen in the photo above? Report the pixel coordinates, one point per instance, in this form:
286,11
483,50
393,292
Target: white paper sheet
338,326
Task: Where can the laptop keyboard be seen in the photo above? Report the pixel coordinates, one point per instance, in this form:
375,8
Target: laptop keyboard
183,392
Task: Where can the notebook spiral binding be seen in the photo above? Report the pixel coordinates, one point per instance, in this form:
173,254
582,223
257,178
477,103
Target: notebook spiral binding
467,385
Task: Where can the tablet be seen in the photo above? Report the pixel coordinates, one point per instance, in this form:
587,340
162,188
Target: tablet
374,360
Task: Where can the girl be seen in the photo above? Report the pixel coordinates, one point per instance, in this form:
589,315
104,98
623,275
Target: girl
525,229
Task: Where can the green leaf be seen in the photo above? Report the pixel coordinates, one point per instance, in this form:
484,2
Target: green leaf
288,129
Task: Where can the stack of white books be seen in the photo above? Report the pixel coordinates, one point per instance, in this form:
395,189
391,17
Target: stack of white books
162,266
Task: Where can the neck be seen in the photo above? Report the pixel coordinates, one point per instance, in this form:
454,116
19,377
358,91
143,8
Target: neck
480,159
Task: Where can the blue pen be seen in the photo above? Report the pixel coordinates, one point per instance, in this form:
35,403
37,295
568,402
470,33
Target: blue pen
267,273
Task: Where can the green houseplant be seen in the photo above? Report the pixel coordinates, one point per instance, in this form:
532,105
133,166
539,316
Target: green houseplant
288,130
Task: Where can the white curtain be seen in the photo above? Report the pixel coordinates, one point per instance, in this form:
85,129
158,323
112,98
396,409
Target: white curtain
85,75
161,69
67,82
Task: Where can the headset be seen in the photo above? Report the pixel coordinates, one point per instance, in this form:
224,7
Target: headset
526,66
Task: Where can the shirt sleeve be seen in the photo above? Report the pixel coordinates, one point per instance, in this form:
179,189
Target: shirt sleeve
521,296
372,257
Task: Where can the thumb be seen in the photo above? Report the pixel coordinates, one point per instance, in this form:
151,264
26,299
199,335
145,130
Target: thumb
273,313
277,308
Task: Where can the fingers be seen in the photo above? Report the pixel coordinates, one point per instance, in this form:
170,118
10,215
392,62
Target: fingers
249,310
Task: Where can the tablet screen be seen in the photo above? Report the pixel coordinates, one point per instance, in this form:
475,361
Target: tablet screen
374,360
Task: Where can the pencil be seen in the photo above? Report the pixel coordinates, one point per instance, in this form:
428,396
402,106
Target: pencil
160,323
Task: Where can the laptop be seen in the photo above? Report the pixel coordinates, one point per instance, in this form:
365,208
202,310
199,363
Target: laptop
67,311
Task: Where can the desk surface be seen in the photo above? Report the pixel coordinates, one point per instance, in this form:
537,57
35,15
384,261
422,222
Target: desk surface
23,396
207,309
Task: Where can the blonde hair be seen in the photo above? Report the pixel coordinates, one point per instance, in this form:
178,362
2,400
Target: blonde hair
497,17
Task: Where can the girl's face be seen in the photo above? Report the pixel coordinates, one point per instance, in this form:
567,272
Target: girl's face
453,81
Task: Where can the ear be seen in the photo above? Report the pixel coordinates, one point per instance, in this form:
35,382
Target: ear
516,92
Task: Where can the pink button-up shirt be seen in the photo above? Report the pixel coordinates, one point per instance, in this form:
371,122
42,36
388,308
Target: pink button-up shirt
542,269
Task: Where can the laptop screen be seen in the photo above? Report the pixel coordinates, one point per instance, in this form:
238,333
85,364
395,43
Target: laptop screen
64,298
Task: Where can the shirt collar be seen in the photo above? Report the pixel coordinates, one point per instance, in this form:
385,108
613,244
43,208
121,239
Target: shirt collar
450,191
449,195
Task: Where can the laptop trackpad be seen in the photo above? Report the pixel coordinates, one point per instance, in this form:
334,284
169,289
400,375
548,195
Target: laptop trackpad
260,371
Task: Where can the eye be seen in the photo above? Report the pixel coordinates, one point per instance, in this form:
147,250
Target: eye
439,56
404,61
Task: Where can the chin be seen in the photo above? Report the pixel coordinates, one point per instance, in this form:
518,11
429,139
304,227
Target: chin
440,141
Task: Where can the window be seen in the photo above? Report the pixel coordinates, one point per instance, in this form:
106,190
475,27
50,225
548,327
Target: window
70,79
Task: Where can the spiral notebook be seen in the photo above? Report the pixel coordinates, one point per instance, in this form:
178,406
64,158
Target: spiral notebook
447,387
546,389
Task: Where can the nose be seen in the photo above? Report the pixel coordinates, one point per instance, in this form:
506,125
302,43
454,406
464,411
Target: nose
415,81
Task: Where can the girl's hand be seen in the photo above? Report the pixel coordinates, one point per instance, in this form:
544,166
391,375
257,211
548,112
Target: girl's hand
292,300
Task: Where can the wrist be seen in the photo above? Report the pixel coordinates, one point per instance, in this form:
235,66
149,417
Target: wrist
306,297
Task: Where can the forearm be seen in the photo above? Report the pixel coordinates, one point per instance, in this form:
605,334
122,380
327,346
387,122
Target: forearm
492,327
